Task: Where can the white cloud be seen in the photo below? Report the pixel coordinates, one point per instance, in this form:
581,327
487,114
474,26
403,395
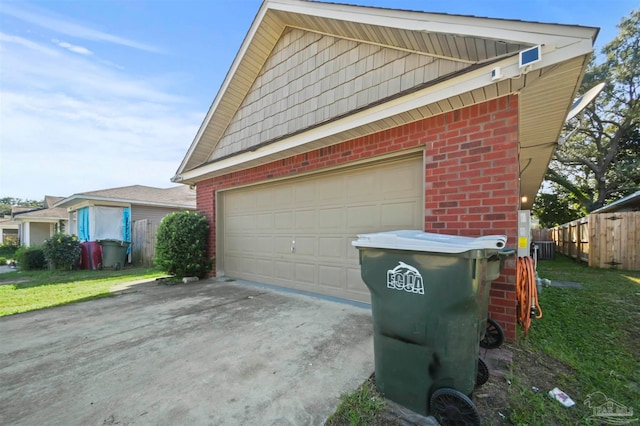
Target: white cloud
46,19
73,48
6,38
73,124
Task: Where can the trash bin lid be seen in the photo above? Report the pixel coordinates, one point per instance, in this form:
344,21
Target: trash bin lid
426,241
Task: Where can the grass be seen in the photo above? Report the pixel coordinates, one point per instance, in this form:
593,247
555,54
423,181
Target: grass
590,335
587,344
30,290
358,408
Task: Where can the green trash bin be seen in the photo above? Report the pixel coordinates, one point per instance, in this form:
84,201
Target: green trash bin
428,300
114,253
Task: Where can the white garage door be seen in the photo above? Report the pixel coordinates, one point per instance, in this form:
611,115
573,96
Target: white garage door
297,233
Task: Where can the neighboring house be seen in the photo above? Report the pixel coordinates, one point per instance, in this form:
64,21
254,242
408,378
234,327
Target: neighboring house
8,230
630,203
111,214
336,120
37,225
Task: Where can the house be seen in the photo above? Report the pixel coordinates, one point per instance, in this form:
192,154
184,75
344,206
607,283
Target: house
111,214
335,120
8,230
630,203
37,225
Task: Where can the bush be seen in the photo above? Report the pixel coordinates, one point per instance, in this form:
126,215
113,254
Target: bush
31,258
181,248
3,260
62,251
8,250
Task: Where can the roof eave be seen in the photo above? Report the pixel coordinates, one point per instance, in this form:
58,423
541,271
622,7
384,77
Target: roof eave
553,36
78,199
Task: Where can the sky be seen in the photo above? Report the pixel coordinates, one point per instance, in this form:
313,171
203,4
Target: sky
98,94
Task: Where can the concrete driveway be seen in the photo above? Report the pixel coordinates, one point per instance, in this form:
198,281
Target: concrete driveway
191,354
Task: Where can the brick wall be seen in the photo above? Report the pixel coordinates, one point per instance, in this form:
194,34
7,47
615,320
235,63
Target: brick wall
471,178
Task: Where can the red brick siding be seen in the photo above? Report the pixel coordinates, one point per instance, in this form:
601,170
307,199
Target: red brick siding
471,178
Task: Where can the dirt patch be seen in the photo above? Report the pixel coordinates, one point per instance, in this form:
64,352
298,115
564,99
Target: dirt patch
528,371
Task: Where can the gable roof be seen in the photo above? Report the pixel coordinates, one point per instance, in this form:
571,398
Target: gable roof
47,214
479,44
178,197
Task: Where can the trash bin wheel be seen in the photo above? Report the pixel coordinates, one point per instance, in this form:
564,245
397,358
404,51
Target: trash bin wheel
451,407
493,335
482,376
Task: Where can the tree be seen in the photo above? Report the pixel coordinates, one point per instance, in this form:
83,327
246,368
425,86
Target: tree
7,202
600,162
553,209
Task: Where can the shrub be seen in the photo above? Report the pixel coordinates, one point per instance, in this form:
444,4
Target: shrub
8,250
31,258
62,251
181,248
3,260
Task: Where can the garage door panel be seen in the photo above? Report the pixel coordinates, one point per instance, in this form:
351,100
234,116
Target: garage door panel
331,276
331,190
284,270
240,202
265,222
261,267
362,186
398,215
331,247
284,220
239,244
264,201
363,218
306,273
400,183
323,214
263,245
305,221
283,245
331,219
305,192
283,197
244,221
306,246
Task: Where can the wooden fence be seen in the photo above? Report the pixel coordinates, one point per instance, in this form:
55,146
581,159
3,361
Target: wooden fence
143,247
604,240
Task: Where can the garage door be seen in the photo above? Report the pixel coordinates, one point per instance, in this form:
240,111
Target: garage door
297,233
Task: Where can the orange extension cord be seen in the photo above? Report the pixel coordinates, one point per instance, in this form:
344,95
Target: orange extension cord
527,293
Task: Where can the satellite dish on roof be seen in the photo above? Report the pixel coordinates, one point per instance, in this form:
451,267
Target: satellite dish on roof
581,102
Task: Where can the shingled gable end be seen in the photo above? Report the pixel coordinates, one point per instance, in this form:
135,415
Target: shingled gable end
336,120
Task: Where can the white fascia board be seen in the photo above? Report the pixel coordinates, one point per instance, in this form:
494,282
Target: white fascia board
225,84
87,201
461,84
501,29
39,219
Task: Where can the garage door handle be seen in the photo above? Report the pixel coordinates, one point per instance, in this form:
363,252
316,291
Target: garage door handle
293,246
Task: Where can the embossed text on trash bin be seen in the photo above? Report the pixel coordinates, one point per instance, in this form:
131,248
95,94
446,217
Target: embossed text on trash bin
405,277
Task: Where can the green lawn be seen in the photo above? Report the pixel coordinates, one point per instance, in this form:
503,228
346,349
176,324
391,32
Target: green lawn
23,291
591,335
586,344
